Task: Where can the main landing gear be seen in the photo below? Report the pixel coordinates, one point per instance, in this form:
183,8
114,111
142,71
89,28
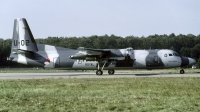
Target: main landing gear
182,71
100,71
111,72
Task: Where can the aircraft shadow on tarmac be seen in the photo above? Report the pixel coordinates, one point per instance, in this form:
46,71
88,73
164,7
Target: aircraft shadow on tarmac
138,74
93,75
55,75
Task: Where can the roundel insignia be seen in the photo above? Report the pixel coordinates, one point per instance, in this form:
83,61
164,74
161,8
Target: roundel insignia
46,61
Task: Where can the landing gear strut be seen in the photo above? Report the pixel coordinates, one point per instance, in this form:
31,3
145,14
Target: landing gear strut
111,72
182,71
100,71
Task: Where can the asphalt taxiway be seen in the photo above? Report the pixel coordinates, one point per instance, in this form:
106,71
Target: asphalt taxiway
87,75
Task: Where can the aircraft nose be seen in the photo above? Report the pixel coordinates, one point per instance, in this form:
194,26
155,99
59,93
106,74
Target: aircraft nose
187,61
191,61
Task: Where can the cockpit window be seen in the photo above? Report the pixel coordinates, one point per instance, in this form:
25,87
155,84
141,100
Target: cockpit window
170,55
129,48
175,54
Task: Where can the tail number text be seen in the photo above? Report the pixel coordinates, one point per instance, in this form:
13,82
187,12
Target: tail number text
22,43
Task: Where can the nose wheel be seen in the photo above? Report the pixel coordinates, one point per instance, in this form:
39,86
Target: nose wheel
182,71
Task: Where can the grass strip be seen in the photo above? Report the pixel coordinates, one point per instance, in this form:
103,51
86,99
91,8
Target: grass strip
96,94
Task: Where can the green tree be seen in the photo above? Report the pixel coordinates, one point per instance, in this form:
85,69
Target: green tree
198,63
185,51
195,51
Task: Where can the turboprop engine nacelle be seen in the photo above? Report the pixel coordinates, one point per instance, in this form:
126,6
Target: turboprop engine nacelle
91,59
80,56
84,57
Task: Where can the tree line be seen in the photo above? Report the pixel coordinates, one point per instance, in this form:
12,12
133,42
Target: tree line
186,45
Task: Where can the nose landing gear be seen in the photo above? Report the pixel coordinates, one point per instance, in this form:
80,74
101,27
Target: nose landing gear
182,71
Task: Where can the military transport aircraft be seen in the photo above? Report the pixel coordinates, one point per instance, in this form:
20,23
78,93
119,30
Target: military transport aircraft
26,51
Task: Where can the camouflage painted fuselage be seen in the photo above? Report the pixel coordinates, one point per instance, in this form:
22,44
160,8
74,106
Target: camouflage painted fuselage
57,57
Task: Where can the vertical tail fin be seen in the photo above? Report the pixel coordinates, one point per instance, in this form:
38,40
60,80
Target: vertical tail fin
22,36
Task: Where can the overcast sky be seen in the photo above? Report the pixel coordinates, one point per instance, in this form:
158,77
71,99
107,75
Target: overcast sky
99,17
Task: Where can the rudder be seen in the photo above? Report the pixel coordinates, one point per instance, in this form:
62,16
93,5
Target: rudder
22,36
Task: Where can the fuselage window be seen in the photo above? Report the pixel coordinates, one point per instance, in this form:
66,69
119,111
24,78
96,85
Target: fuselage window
165,55
170,55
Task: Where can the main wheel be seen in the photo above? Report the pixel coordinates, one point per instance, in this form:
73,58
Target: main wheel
111,72
182,71
99,72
